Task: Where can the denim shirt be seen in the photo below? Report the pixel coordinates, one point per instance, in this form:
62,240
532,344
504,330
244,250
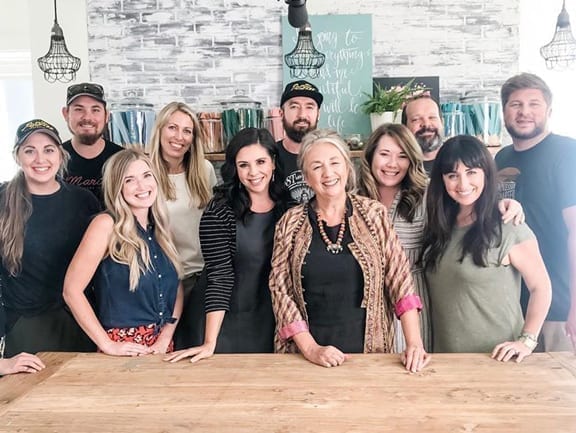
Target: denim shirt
153,300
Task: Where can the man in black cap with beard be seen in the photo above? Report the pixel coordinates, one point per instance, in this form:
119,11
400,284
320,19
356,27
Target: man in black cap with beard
87,116
300,105
422,116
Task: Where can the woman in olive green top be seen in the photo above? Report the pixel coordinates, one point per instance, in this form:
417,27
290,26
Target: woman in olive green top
474,262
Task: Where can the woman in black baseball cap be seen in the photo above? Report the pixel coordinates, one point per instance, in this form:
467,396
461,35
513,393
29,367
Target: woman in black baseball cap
42,221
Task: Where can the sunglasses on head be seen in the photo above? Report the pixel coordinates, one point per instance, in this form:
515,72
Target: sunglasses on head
91,88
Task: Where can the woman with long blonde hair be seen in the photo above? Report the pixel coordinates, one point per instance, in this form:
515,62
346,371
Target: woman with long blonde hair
42,220
129,252
186,180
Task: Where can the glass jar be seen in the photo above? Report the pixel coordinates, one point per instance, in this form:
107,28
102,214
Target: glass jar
483,117
131,122
211,124
240,112
274,123
452,115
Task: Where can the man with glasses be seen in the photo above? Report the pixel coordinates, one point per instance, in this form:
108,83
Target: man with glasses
87,116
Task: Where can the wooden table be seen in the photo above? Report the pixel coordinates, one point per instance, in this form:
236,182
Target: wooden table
284,393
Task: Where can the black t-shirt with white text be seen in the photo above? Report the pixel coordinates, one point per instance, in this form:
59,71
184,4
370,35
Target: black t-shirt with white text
87,173
294,181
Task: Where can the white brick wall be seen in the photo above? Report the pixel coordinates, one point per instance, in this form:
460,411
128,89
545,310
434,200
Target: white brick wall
200,51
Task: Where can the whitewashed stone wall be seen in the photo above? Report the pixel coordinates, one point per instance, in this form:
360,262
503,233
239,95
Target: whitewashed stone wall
200,51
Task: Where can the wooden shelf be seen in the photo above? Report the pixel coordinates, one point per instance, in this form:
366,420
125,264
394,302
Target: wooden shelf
214,156
221,157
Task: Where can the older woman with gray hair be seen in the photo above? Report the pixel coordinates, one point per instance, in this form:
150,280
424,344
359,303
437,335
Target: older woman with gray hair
339,274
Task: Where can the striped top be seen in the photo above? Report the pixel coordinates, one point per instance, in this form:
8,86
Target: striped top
218,243
411,235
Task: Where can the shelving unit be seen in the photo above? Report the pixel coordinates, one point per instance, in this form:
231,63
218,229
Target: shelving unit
220,156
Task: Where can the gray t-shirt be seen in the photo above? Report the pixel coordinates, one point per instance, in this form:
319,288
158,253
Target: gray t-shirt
474,308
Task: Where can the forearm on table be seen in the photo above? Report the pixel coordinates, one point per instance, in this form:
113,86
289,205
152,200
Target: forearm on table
537,309
411,327
86,318
214,321
304,341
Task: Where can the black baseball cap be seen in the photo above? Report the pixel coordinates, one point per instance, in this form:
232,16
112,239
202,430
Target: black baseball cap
301,88
95,91
36,125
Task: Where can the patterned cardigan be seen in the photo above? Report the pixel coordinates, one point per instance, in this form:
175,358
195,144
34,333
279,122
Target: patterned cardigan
388,286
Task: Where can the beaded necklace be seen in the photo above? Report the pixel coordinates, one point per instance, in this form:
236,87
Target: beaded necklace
334,248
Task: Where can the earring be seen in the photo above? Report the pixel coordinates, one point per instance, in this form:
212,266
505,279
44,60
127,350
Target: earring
273,173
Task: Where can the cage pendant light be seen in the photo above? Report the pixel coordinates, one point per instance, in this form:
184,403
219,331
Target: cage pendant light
560,53
304,60
58,64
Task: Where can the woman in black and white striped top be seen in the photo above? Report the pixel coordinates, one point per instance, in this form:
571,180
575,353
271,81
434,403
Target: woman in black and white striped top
236,235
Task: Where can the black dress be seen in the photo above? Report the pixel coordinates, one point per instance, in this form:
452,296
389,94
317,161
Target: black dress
249,325
333,290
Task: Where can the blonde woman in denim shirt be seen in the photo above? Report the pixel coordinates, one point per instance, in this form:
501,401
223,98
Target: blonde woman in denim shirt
129,252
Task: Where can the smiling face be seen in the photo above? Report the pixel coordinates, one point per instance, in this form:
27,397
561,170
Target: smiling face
299,116
423,119
390,163
254,166
139,187
176,137
326,171
464,185
526,114
86,118
40,159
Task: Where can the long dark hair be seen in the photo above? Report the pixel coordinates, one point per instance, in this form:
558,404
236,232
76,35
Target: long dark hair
232,192
486,230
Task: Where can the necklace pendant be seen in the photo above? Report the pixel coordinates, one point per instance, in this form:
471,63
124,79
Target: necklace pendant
334,248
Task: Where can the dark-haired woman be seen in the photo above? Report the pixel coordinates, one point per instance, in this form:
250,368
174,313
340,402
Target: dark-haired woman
392,172
474,262
236,235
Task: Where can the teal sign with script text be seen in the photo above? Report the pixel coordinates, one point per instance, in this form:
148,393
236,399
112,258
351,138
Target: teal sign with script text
346,40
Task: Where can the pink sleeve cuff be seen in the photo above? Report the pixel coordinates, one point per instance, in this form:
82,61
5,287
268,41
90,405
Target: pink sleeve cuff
293,328
407,303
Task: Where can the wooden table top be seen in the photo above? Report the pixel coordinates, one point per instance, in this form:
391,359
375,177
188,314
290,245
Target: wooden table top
457,393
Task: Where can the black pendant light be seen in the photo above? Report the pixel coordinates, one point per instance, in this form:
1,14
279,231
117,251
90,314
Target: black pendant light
58,64
560,53
304,60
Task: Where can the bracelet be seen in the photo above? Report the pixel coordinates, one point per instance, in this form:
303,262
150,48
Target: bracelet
529,340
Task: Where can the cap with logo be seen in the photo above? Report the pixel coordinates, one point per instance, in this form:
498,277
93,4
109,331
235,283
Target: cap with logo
95,91
37,125
301,88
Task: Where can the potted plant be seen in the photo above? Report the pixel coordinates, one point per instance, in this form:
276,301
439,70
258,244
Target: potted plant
385,105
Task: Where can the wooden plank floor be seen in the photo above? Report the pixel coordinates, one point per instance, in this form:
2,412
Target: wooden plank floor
284,393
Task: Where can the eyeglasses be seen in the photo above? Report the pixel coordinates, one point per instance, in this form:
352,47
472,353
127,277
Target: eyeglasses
89,88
